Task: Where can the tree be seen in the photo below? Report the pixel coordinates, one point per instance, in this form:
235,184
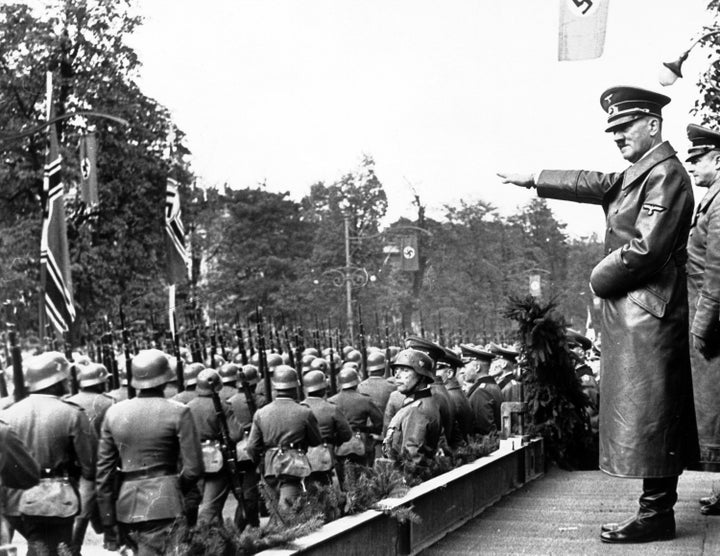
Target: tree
117,250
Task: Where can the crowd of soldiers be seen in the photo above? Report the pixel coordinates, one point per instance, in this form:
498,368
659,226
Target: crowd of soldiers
133,460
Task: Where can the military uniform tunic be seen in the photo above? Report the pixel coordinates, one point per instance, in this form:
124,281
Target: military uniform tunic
95,405
414,431
334,427
146,439
379,390
704,303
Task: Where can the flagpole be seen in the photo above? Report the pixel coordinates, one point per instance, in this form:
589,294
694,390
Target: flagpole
43,270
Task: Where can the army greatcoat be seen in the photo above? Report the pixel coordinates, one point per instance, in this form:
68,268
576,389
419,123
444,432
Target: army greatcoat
704,302
463,412
485,399
146,440
647,415
358,409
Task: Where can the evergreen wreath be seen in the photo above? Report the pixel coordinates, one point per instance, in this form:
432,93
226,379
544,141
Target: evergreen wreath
555,400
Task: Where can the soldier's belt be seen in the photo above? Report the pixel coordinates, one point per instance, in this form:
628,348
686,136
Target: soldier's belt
148,472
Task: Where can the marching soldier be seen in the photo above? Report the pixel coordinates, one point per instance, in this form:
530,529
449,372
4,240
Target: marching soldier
242,408
283,430
364,418
334,427
414,431
190,374
483,393
142,442
121,392
376,385
60,438
228,374
92,380
274,360
215,484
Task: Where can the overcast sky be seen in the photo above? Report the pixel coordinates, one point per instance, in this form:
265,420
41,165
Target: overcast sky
442,94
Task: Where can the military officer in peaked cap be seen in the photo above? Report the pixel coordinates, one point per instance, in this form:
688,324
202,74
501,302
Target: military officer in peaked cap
483,393
641,281
704,298
143,442
504,371
60,438
447,369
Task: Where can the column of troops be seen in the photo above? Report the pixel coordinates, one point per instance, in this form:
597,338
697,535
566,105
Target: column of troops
133,465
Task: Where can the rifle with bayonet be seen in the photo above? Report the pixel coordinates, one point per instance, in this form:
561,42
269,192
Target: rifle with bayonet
227,447
125,335
262,357
74,386
19,390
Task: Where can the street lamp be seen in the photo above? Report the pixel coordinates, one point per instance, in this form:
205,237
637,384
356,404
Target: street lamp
671,71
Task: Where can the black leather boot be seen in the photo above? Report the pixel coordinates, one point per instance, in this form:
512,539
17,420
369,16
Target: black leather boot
707,500
713,508
655,519
616,525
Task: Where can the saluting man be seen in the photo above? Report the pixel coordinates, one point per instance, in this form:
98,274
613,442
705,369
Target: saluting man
646,431
704,299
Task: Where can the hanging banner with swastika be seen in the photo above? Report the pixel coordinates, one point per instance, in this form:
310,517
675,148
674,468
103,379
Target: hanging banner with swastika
581,29
409,253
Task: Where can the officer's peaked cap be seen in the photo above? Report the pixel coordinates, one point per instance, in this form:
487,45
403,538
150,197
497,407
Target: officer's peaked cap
625,104
702,139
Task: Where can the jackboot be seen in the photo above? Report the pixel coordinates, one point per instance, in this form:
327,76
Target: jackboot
655,519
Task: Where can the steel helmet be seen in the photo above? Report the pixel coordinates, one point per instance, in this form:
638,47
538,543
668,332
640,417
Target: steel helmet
45,369
347,349
150,368
228,373
249,374
354,356
376,362
314,381
274,360
208,381
311,351
284,377
307,359
191,372
348,378
416,360
255,358
91,374
319,364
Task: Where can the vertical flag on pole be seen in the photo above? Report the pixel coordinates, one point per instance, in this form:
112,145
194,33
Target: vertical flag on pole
55,276
176,252
409,254
581,30
175,238
88,169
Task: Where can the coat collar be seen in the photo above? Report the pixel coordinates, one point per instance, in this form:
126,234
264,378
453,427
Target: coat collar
653,158
709,196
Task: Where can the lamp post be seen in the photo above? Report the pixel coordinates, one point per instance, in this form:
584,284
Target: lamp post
348,280
671,71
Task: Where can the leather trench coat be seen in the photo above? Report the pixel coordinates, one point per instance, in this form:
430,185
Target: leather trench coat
704,302
647,415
